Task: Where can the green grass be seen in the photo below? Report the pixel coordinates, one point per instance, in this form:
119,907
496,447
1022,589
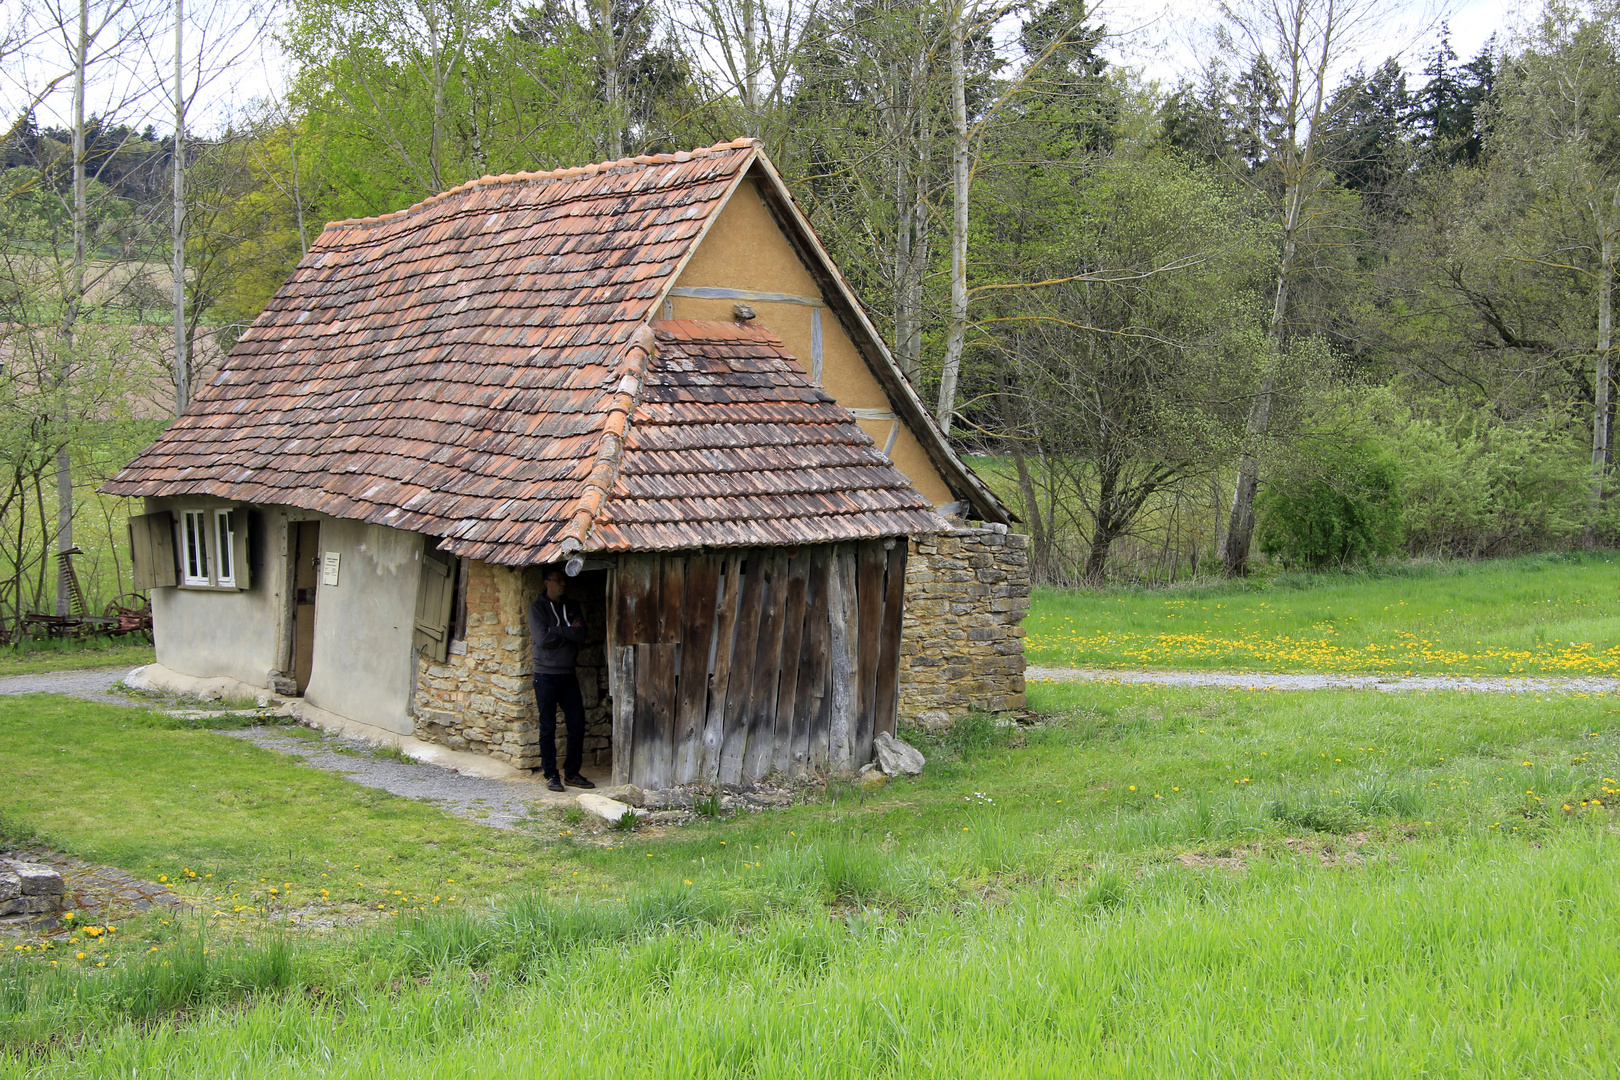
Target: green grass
33,657
1545,614
1154,882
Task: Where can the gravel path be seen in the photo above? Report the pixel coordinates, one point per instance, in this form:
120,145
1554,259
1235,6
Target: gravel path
1395,684
501,804
91,684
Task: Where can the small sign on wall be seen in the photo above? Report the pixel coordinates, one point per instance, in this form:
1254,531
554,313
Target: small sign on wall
329,569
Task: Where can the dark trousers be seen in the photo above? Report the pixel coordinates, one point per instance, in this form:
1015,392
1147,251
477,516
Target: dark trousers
551,691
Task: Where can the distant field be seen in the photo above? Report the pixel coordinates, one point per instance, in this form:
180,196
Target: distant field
1545,614
97,652
1155,883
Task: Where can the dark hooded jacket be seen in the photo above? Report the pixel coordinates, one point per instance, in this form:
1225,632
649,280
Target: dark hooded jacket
555,642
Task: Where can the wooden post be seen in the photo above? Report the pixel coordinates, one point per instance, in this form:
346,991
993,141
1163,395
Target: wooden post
789,757
725,626
697,640
759,753
741,682
886,710
842,636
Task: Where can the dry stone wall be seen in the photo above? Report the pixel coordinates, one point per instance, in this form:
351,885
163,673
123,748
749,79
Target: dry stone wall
962,649
481,700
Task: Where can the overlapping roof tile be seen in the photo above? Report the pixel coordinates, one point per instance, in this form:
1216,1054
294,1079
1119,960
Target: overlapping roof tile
444,369
455,369
731,444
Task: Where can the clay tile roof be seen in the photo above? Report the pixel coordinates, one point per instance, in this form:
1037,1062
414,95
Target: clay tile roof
731,444
448,369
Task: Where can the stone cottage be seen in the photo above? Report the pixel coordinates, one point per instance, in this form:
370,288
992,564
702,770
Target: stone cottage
647,370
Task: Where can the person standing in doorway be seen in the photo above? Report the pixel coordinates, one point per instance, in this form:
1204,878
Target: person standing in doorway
556,631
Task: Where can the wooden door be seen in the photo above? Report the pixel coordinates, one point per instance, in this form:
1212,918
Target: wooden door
306,576
730,665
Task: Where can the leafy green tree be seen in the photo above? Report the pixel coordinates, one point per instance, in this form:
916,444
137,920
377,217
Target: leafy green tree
1113,381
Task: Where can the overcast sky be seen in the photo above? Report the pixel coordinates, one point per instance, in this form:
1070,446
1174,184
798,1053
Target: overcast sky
1159,38
1162,39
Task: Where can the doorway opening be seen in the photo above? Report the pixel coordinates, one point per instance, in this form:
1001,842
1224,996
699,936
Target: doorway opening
306,561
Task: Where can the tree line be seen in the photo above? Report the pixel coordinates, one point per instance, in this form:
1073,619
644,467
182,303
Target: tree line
1288,305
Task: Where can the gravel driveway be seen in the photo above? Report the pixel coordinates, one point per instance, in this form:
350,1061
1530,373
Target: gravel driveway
1394,684
91,684
501,804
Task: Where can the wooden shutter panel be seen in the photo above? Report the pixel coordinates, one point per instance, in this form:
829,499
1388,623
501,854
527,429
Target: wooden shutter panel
151,549
431,632
240,567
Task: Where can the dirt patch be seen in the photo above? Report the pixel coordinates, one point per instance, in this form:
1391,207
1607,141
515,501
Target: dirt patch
1327,850
1331,851
1236,862
96,893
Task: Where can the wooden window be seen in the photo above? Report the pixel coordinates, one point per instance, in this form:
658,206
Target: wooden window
213,549
224,550
151,549
194,548
435,598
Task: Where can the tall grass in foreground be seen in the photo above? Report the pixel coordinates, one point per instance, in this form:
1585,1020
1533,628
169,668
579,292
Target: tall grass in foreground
1477,956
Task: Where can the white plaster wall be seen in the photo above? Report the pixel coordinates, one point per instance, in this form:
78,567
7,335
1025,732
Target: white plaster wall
363,660
209,633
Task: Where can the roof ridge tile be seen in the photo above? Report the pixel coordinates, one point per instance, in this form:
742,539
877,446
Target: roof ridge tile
566,173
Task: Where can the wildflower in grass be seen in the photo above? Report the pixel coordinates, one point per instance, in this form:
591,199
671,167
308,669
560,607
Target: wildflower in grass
78,956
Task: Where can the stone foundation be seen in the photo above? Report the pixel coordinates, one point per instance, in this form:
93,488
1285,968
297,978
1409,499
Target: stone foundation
962,648
482,700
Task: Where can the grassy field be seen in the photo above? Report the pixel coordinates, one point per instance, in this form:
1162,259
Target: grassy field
33,657
1153,882
1544,614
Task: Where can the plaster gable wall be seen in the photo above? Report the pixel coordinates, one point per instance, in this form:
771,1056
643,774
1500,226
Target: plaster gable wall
746,249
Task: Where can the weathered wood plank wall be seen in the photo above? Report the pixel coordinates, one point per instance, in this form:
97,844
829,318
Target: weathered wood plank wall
726,666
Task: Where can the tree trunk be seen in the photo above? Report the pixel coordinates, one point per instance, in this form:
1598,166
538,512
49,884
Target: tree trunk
1040,538
956,330
436,132
177,230
1240,522
70,307
1605,342
610,79
1104,525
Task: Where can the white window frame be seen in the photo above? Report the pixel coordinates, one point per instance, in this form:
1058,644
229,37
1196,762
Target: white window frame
224,550
194,548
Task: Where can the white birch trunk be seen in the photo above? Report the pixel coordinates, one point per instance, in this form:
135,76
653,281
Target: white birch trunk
177,230
71,303
956,328
1601,377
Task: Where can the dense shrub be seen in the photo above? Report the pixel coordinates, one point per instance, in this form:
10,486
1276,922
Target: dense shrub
1338,504
1474,486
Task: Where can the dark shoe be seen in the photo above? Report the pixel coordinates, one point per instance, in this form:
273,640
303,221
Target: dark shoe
579,781
553,783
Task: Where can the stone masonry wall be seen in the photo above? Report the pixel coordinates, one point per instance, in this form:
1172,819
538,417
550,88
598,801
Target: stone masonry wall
482,700
962,648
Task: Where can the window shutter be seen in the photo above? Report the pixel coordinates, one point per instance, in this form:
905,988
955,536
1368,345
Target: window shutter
151,549
433,598
239,550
